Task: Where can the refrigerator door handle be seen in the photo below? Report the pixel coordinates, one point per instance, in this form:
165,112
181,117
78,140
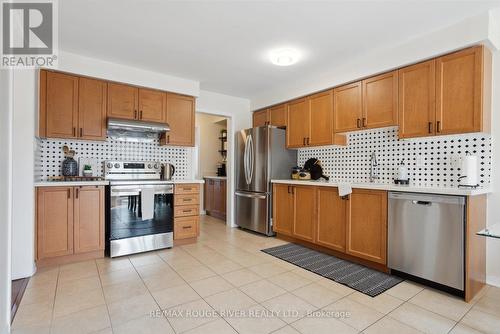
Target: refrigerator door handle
245,160
250,158
242,194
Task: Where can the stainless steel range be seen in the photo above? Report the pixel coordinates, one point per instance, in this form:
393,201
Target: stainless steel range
139,215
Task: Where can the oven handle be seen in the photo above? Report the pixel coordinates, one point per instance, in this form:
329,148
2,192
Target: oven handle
117,191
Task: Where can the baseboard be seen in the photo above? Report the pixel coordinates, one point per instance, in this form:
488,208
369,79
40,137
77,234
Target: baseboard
60,260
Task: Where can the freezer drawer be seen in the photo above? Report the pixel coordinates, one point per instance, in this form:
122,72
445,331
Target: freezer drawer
252,211
426,237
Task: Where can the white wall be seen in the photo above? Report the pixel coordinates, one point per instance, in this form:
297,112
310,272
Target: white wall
23,193
210,144
239,117
5,197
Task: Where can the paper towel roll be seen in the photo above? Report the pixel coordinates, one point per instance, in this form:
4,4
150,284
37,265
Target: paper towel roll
468,171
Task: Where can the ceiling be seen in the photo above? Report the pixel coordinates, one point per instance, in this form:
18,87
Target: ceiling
224,44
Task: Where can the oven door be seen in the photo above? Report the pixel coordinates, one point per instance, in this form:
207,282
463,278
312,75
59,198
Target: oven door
125,217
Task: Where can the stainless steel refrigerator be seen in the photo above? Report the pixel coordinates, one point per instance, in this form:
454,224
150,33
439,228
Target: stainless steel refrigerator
261,156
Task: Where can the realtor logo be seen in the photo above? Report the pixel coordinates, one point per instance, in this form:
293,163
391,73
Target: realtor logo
28,34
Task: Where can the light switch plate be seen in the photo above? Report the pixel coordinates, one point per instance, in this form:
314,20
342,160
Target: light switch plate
455,161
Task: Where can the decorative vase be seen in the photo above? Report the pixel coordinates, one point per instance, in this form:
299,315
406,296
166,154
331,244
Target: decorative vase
70,167
87,173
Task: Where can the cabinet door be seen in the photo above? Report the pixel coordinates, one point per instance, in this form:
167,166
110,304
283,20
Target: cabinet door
331,219
417,107
122,101
54,221
62,105
209,195
277,115
304,212
380,100
459,91
367,225
180,118
92,109
260,118
223,196
218,204
88,219
282,209
321,114
347,107
297,123
152,105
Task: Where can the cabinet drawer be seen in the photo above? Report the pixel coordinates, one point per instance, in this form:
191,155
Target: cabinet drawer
186,227
187,199
191,188
186,210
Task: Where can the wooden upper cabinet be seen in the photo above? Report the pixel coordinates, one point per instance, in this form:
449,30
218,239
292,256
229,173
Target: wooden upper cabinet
331,219
348,107
122,101
180,118
277,115
54,222
298,123
282,209
89,219
92,109
60,117
463,80
417,108
321,119
260,118
380,100
304,205
366,235
152,105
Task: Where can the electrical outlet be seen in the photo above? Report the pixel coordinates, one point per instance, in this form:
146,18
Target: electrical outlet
420,161
455,161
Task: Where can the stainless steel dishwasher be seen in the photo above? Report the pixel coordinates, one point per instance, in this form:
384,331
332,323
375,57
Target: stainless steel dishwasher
426,237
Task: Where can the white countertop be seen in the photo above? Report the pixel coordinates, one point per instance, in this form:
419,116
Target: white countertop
392,187
215,177
102,183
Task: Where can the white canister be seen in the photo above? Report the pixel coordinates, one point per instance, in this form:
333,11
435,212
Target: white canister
469,175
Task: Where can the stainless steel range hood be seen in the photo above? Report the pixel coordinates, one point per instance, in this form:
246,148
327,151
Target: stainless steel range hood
135,130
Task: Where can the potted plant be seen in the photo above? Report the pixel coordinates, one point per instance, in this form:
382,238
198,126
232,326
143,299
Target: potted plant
87,170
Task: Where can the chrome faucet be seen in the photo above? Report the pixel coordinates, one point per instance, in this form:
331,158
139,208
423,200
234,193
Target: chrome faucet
373,167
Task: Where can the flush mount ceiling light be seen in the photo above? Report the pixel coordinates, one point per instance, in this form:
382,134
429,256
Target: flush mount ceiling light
284,57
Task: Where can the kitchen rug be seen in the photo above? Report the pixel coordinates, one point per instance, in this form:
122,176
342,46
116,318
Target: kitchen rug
358,277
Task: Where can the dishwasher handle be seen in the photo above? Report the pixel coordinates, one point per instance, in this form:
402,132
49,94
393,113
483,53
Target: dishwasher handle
426,203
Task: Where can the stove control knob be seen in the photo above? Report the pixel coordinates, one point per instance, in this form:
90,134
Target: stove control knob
117,165
110,165
150,166
157,166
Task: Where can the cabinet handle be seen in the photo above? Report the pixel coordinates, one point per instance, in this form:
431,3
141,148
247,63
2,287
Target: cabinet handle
74,132
304,141
438,126
288,189
345,198
76,193
430,127
168,138
135,114
358,123
140,114
308,141
81,132
186,227
187,199
186,211
364,122
69,193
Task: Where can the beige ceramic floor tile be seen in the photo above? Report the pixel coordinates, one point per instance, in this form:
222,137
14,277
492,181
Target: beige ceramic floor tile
119,276
174,296
383,303
75,273
44,294
441,303
360,316
286,330
86,321
405,290
31,330
78,301
255,320
108,265
154,269
421,319
79,285
131,308
211,286
230,300
289,280
482,321
43,278
322,325
307,274
289,307
338,288
388,325
33,315
241,277
196,273
268,269
262,290
317,295
489,304
225,266
145,259
219,326
145,324
190,315
160,282
460,328
115,292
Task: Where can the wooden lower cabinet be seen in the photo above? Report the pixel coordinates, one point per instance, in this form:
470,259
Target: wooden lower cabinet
366,225
186,212
215,197
355,225
70,222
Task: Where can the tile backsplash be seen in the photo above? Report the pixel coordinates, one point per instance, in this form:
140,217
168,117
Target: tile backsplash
428,159
49,155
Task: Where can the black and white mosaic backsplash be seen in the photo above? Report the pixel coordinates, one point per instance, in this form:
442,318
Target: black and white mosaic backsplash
429,160
49,155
